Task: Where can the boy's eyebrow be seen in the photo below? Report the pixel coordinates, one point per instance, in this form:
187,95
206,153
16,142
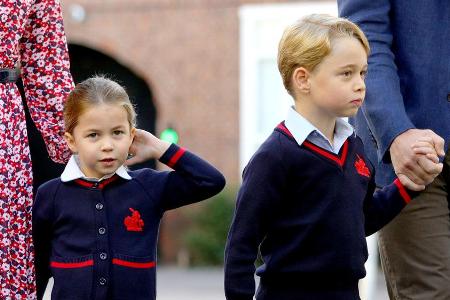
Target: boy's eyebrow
352,66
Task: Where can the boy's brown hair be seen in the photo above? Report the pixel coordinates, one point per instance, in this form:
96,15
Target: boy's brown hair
306,42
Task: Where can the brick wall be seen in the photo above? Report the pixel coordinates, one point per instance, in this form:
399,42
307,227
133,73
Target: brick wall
188,53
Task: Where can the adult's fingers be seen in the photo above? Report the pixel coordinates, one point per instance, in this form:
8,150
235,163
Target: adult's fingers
414,172
437,141
403,158
409,184
423,149
429,166
433,157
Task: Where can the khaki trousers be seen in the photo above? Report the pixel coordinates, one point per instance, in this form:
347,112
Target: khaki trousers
415,246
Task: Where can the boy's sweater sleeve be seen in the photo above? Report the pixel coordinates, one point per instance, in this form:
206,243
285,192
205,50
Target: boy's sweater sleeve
42,235
260,193
382,206
193,179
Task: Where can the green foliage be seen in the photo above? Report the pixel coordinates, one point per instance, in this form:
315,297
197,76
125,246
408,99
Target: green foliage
206,238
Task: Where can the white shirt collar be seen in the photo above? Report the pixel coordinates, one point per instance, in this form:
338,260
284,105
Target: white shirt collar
301,129
72,171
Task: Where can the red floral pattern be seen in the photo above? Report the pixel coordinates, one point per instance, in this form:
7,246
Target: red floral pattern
32,35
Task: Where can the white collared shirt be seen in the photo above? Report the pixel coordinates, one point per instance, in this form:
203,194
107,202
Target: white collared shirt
303,130
72,171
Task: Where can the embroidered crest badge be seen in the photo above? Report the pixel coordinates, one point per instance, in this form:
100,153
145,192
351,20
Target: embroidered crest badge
134,222
361,167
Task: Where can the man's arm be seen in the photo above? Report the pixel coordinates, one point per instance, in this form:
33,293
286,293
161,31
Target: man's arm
384,107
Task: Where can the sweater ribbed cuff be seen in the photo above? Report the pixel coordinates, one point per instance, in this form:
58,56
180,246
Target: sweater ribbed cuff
406,194
172,155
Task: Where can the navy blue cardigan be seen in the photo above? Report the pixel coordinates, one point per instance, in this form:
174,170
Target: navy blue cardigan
309,211
98,241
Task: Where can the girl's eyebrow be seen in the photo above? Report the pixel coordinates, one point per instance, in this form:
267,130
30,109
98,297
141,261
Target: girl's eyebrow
94,129
91,129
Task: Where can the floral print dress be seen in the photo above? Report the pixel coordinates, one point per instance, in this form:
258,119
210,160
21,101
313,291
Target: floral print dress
32,37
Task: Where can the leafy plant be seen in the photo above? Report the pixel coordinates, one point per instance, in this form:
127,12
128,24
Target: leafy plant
206,238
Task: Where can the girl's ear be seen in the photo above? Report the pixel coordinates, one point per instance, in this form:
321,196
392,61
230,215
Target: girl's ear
132,136
133,132
70,142
300,80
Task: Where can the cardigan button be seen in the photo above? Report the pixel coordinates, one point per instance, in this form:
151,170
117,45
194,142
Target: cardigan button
103,256
102,281
99,206
102,230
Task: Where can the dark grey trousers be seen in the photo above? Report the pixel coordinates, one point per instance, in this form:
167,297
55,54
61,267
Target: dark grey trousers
415,246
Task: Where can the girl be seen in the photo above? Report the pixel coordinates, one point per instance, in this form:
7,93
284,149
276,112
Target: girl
96,227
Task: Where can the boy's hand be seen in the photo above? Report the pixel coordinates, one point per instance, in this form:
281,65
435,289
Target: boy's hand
146,146
428,160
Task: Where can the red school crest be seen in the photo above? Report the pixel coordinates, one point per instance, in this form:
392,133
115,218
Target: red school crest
134,222
361,167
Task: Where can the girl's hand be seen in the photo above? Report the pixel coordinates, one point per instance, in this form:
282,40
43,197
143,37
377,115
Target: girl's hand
145,146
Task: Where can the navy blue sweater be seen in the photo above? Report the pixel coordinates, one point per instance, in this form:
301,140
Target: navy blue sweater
308,210
98,241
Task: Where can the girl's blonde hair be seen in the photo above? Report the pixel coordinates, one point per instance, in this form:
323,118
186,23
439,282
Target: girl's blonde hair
306,43
94,91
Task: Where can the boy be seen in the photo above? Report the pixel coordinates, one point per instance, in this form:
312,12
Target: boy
307,199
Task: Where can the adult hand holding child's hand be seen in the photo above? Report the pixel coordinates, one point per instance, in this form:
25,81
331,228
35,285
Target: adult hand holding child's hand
415,157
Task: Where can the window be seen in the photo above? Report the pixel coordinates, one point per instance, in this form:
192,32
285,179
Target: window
263,99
